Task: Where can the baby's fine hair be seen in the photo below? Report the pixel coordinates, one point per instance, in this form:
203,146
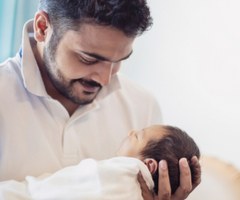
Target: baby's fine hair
174,145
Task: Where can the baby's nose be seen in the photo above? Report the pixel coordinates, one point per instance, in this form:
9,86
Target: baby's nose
131,132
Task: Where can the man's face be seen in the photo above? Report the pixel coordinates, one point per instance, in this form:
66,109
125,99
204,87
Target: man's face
84,61
136,141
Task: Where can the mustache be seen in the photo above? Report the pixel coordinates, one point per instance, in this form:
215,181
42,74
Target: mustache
88,82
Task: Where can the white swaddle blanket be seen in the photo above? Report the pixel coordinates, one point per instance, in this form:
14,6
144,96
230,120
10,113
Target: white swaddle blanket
113,179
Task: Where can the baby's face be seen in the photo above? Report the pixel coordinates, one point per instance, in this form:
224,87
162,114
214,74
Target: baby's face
135,142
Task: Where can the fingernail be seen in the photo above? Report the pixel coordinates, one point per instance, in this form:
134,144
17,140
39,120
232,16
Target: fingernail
194,159
184,162
163,164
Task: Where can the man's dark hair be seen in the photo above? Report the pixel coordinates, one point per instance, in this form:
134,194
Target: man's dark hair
174,145
129,16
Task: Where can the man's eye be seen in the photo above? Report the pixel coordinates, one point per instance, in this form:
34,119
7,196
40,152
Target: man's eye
87,62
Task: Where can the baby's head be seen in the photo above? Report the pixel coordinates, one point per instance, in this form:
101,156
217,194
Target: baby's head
161,143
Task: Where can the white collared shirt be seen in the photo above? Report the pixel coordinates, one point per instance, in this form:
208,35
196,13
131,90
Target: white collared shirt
36,133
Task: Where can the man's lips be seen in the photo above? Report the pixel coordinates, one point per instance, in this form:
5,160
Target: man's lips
89,87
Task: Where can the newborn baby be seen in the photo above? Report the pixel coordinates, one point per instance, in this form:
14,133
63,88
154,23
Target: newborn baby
116,178
161,143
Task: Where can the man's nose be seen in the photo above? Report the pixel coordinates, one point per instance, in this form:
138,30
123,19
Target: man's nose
103,74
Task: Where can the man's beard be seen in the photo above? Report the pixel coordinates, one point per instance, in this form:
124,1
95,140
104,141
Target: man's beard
57,78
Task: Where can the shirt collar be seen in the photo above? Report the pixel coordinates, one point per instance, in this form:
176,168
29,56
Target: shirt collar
31,73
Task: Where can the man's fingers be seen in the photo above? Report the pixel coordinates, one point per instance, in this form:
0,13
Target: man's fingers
164,188
146,193
142,183
196,167
185,181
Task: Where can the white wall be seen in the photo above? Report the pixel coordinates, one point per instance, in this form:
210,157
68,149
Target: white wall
190,60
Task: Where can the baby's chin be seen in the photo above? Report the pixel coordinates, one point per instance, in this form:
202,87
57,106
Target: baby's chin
117,154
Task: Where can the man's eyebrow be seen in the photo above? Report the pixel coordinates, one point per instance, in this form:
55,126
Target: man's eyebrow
105,59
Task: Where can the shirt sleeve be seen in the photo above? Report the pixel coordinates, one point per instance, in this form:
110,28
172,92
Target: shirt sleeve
14,190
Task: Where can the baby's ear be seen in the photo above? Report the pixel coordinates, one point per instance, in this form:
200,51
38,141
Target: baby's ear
151,164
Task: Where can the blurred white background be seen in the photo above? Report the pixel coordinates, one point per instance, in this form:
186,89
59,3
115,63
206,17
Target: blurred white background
190,60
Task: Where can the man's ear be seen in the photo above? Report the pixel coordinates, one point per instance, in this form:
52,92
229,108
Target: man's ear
41,26
151,164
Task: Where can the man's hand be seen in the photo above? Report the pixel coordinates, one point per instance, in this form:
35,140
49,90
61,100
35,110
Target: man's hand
164,189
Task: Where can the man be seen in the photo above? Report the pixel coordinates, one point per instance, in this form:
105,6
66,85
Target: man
61,100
